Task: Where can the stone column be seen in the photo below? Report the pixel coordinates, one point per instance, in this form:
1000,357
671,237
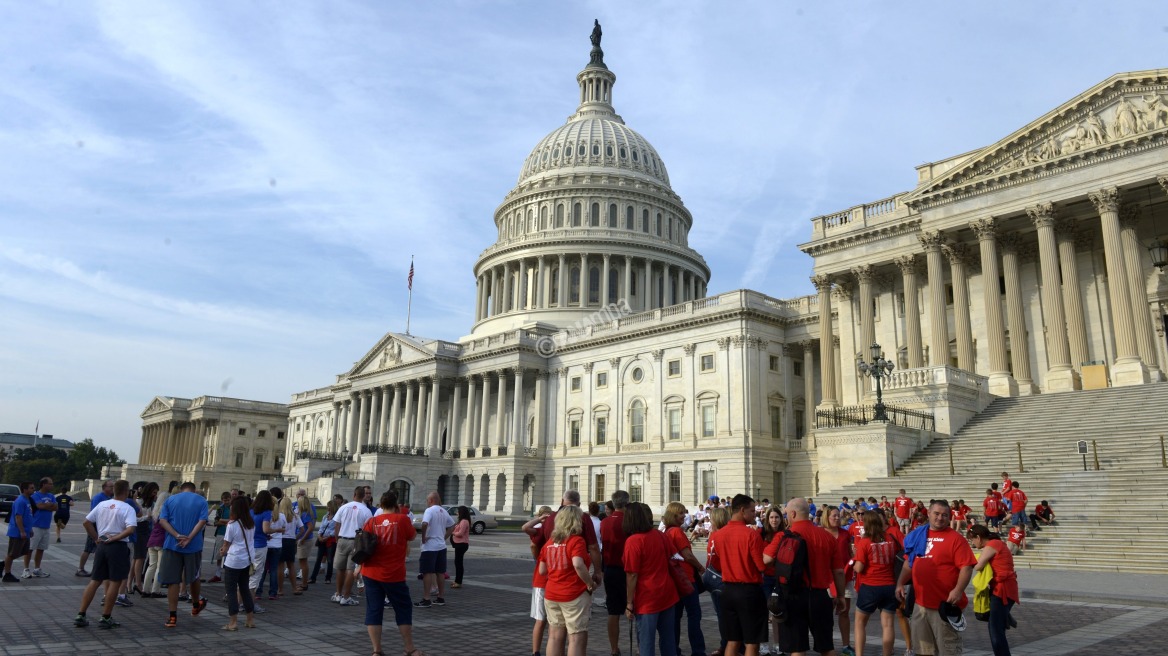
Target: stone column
1128,369
808,387
1076,330
521,284
1016,315
678,288
354,416
1060,375
957,256
912,312
625,293
666,283
508,298
561,286
471,388
540,391
826,345
500,410
390,436
1001,382
334,432
383,430
375,413
454,433
418,440
491,304
1137,288
405,435
863,274
938,318
647,291
431,443
692,285
517,434
604,281
484,432
478,297
545,288
583,280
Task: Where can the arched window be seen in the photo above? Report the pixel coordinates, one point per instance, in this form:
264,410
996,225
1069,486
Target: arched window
580,151
560,215
595,217
669,229
543,218
637,421
658,232
594,285
612,215
629,217
574,286
645,221
555,282
530,221
611,287
608,150
596,149
576,215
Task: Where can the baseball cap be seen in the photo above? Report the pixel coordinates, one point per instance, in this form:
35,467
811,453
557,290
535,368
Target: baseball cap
952,614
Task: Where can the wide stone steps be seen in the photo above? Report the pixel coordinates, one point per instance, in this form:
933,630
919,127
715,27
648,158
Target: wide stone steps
1111,519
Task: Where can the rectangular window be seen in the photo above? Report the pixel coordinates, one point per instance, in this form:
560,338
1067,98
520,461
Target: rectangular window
601,430
948,294
709,483
674,368
776,425
800,424
674,486
774,363
259,461
279,435
243,432
575,383
900,304
599,493
574,482
797,367
263,432
707,362
574,431
635,487
279,464
675,423
708,415
602,379
239,460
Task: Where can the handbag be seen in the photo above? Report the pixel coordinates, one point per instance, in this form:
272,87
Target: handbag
712,581
679,570
364,546
250,558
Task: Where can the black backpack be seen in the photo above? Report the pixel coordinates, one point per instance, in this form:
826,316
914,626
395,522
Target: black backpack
790,572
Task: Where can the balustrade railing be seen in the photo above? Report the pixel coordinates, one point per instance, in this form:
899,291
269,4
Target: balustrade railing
860,415
318,455
530,451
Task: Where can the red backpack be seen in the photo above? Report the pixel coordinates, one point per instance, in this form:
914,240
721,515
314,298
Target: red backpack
791,560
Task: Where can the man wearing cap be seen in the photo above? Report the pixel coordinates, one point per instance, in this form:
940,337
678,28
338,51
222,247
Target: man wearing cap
940,564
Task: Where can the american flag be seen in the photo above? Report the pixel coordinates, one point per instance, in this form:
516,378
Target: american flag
410,279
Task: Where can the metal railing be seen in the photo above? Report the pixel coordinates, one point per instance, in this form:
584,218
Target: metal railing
860,415
318,455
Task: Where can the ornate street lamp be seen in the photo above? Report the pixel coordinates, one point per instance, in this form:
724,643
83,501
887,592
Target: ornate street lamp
1157,250
344,462
878,369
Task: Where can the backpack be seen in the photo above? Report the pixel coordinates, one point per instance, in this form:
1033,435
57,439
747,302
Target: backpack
790,572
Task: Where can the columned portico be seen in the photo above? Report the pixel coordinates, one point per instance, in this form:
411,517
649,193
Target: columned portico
1128,369
1001,382
1060,375
826,345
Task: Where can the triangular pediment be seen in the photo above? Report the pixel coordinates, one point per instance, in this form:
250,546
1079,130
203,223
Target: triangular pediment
1123,114
160,404
392,350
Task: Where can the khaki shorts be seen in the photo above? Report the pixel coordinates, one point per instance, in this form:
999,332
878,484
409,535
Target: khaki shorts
304,549
932,634
40,539
572,614
343,558
215,557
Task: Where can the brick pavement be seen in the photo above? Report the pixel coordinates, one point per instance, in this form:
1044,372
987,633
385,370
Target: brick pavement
487,616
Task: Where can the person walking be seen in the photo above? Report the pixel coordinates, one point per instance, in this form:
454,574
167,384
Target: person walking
44,504
19,529
568,593
326,543
110,525
1004,589
235,555
612,534
61,518
350,517
183,517
689,605
385,575
939,563
437,525
460,539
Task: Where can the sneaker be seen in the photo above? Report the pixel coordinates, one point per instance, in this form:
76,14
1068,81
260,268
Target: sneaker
425,603
387,603
80,620
434,590
909,652
848,651
107,623
442,602
171,622
764,649
123,601
360,583
9,578
349,601
214,579
26,574
202,603
40,574
184,597
81,572
336,598
259,609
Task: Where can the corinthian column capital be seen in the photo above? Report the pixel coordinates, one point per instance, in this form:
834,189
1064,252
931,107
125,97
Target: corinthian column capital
907,263
985,229
1163,180
1105,200
1042,215
822,282
1129,215
863,273
956,252
931,239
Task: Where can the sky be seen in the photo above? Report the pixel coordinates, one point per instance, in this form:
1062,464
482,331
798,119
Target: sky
204,198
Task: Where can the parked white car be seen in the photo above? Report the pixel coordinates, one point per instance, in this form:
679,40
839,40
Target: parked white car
479,522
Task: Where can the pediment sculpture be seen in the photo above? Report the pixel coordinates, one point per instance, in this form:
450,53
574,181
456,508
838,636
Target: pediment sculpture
391,354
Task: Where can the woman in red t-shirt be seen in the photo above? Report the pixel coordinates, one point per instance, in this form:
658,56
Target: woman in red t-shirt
568,594
1004,590
652,594
843,539
384,574
690,605
875,585
712,579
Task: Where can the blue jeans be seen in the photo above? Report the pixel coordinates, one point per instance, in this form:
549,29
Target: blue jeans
660,624
1018,519
999,613
273,561
691,606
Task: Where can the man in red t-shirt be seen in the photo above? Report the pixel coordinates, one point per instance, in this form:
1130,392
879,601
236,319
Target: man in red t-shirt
813,609
1017,505
744,614
938,575
385,573
903,507
612,536
572,498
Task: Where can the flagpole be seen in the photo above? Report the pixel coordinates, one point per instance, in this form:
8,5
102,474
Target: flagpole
410,302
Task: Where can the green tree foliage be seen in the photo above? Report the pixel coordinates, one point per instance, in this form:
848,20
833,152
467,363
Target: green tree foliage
85,461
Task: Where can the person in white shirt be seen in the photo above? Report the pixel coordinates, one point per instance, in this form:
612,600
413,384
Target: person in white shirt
350,518
437,525
236,555
109,525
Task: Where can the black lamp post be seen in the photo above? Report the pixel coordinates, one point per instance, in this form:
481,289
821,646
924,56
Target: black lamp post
344,462
878,369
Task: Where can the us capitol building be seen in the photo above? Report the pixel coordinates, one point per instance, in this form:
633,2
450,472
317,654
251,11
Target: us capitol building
600,360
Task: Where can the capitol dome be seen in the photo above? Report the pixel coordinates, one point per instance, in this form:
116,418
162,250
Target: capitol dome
591,224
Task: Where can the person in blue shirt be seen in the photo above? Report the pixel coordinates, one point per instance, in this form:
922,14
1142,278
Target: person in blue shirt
64,504
844,505
19,530
107,493
44,504
183,517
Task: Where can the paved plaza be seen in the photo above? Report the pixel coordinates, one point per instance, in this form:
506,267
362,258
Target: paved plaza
1107,614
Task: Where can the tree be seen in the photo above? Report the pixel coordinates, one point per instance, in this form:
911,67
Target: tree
87,459
34,463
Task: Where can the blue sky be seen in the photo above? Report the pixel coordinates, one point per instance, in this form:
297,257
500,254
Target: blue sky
222,198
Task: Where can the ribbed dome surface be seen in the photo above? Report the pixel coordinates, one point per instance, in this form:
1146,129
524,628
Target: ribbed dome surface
592,143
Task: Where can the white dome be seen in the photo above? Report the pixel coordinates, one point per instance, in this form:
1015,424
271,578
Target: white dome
592,144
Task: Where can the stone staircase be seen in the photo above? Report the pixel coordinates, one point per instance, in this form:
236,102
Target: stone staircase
1110,519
